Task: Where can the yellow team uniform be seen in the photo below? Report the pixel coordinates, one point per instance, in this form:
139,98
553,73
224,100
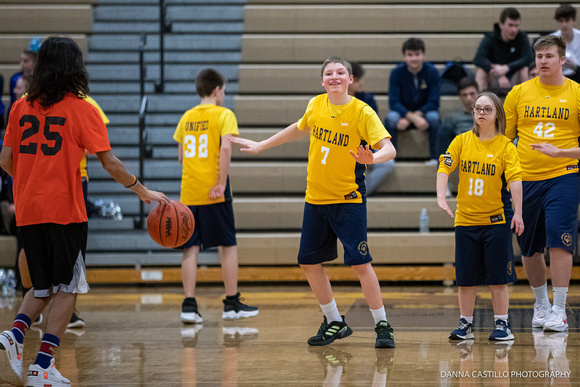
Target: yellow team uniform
538,113
84,174
485,167
200,130
334,176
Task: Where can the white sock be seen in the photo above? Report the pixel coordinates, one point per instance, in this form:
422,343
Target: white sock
379,314
468,319
331,312
503,317
560,295
541,294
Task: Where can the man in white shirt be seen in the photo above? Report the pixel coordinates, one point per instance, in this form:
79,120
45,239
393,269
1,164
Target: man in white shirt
566,17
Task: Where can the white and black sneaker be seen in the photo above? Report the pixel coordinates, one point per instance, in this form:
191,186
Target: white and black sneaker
76,321
234,308
189,312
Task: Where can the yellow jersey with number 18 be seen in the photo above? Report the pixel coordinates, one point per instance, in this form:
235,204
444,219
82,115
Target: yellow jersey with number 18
538,113
485,169
200,131
334,176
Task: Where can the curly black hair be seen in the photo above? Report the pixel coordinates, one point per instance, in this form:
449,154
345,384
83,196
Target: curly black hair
59,70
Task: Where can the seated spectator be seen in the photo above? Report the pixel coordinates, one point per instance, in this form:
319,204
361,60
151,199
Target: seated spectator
503,55
27,65
376,173
566,17
414,91
459,122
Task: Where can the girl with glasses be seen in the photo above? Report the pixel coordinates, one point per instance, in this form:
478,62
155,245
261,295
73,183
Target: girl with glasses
488,166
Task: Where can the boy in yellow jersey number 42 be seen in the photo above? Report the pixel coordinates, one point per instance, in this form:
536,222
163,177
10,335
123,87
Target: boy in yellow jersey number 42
205,153
339,127
544,114
488,163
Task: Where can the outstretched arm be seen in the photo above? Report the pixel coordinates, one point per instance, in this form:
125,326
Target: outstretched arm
552,151
442,179
118,171
288,134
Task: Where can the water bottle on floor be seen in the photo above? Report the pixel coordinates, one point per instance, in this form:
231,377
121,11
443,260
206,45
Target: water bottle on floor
424,221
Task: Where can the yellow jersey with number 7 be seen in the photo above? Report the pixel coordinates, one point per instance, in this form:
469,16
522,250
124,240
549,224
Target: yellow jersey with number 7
200,131
334,176
538,113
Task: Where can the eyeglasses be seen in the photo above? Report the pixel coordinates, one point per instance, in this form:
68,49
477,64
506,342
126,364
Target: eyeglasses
486,110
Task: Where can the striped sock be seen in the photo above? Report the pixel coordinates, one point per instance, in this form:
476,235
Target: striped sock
21,324
49,342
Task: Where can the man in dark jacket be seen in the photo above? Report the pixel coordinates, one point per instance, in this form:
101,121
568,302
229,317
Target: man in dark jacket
503,55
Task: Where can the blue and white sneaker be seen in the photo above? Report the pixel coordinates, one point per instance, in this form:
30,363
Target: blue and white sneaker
502,331
463,332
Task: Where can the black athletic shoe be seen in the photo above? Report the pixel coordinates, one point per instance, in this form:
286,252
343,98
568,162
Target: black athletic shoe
189,312
75,321
330,332
384,334
234,309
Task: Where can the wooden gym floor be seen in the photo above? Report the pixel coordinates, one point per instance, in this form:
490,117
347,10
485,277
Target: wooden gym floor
134,337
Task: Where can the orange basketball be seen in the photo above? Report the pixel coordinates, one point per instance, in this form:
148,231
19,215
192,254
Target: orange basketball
170,225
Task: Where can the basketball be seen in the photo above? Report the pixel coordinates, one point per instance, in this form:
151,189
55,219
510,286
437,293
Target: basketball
170,225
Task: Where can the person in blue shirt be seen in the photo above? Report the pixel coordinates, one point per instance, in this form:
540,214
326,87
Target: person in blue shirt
414,91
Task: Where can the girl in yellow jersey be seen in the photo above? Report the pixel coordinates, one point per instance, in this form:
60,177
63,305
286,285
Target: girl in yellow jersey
339,126
488,163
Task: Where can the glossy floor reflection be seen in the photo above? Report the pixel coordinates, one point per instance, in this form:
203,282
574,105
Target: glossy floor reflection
134,337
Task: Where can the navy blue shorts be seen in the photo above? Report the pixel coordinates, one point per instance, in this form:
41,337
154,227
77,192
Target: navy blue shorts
550,214
214,226
322,225
484,255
